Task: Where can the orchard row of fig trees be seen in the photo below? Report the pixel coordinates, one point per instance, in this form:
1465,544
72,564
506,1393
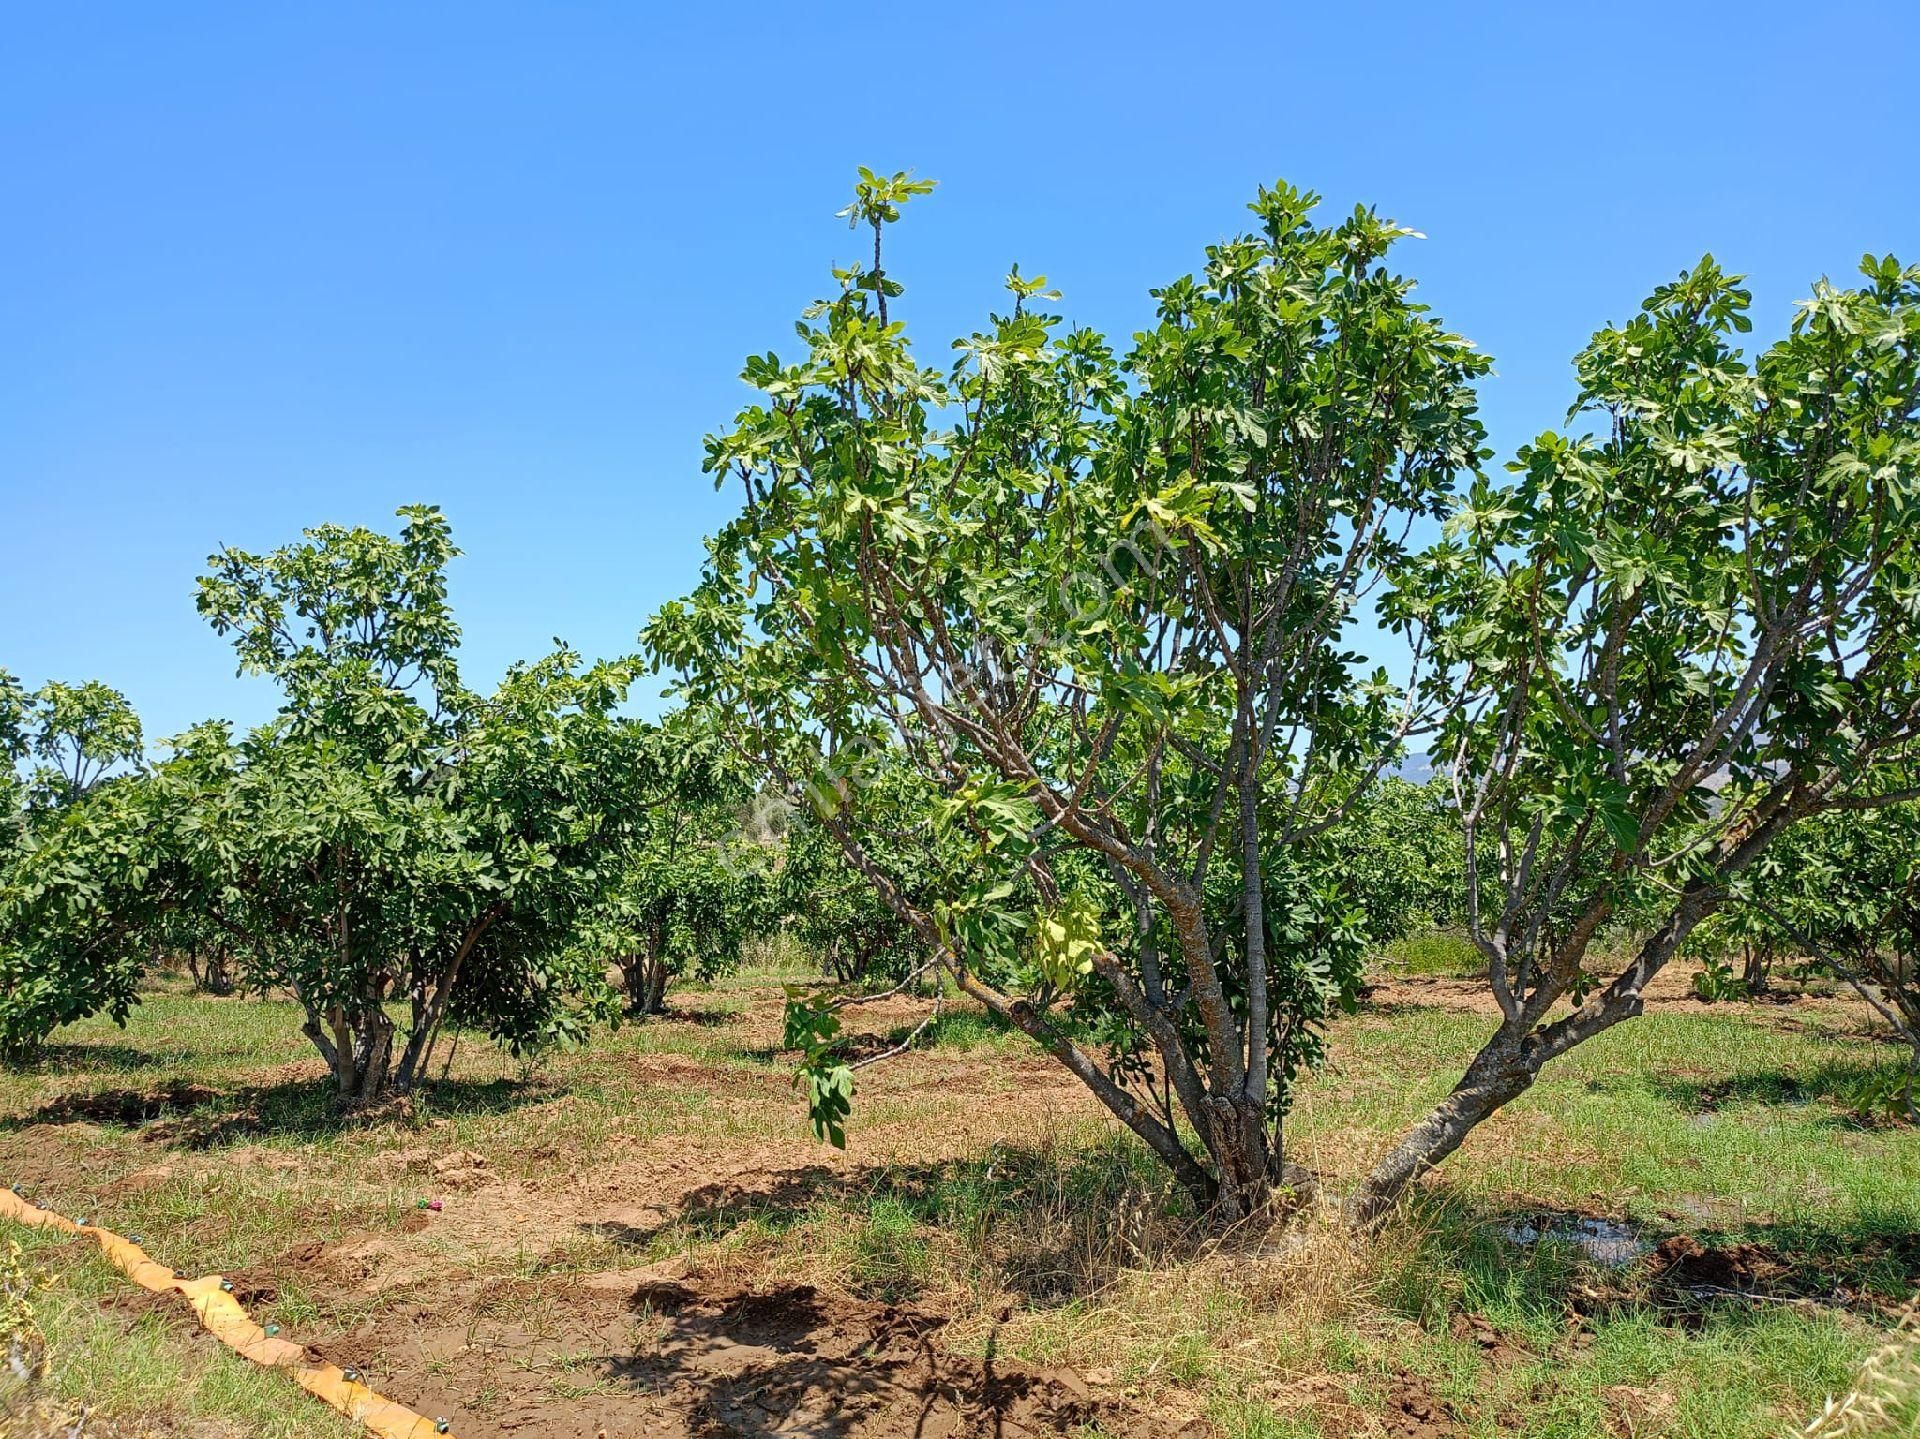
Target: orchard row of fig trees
1148,628
1086,673
390,843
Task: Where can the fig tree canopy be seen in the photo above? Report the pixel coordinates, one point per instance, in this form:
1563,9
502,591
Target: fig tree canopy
1105,605
1667,643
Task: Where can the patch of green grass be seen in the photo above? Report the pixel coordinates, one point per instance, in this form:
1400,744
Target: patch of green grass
885,1256
1723,1121
1730,1125
971,1029
1434,952
133,1357
1729,1368
293,1308
1734,1378
1239,1418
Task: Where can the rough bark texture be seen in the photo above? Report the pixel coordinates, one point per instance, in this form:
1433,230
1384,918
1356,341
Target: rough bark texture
212,971
645,976
358,1049
1512,1059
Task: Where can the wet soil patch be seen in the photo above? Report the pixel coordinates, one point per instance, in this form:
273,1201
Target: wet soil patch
1607,1242
1683,1262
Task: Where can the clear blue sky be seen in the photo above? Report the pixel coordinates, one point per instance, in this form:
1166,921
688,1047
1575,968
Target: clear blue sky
263,266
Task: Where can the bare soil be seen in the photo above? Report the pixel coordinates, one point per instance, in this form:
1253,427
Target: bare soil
612,1355
671,1350
1671,992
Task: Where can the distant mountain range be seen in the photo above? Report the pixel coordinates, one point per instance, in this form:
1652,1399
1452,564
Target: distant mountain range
1417,768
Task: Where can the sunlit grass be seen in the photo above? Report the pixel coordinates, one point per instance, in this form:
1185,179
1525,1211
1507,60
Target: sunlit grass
1067,1246
1433,952
125,1355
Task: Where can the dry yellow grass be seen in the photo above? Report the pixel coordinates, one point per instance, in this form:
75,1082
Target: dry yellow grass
1885,1398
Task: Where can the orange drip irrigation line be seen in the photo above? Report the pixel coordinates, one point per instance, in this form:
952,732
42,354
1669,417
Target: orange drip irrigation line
222,1317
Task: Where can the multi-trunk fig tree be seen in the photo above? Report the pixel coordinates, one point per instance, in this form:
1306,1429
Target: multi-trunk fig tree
1113,611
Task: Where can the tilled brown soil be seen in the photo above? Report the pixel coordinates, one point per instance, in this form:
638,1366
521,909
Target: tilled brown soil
613,1355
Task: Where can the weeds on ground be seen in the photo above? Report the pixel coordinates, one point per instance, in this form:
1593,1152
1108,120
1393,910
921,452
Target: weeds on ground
1072,1248
1308,1330
116,1362
1076,1251
1885,1396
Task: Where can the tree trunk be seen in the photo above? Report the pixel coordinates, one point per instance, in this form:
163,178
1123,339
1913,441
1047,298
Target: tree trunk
430,1005
1247,1155
1512,1059
1499,1073
1757,961
358,1049
373,1056
846,960
212,972
645,976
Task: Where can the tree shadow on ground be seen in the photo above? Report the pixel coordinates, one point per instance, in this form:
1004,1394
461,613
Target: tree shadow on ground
185,1115
1535,1265
709,1357
66,1059
784,1199
795,1362
1829,1084
707,1017
1375,1008
1052,1225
